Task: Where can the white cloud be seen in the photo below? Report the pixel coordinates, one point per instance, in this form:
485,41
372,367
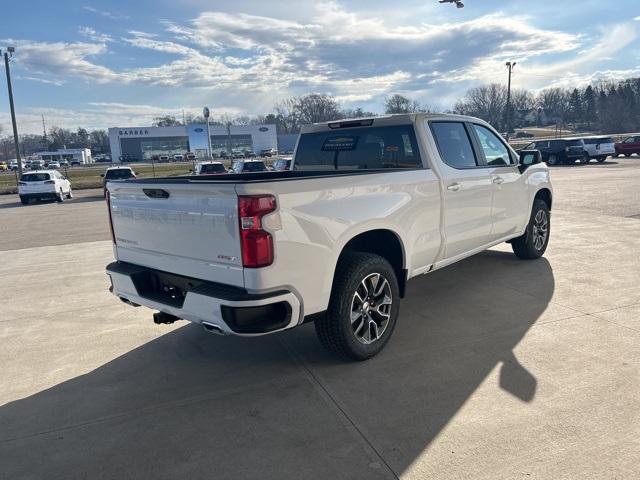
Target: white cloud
92,34
105,13
47,81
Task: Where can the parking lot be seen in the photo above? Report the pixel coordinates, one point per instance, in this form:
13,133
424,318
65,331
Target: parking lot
498,368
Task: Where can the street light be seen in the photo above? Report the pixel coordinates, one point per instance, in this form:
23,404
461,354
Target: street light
510,66
206,113
7,54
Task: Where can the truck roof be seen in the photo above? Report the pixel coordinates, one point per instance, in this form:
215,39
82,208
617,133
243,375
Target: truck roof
391,119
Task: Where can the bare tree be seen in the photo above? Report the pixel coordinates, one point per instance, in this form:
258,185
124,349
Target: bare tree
166,121
487,102
316,108
399,104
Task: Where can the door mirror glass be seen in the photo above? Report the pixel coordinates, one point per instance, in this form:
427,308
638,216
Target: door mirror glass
528,158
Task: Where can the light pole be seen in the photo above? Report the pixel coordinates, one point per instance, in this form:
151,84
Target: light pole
7,54
510,66
206,113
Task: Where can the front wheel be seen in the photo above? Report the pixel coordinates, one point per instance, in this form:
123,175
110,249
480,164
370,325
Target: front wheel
601,159
534,242
60,197
363,308
24,200
586,158
552,160
69,194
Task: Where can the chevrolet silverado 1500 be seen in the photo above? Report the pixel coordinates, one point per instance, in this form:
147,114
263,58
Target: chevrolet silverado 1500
369,204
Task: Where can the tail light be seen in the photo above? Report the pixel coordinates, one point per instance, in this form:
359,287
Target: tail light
113,236
50,181
256,243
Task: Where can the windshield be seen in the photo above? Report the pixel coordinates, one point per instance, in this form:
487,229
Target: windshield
282,164
358,148
212,168
35,177
118,174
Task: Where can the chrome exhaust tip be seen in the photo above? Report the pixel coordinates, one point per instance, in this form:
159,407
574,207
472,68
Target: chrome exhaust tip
212,328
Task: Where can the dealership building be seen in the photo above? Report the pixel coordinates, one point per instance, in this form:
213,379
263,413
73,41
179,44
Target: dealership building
143,143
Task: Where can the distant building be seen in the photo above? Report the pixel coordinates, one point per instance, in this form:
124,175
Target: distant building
145,143
80,155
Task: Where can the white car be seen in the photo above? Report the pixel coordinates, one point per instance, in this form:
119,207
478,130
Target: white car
43,185
599,147
53,164
36,164
178,157
13,165
369,204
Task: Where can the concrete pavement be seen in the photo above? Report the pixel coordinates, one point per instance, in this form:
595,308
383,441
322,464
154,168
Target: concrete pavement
498,368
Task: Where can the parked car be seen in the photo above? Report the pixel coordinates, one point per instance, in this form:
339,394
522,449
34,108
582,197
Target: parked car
42,185
36,164
52,164
282,164
190,156
369,205
244,166
628,146
64,163
76,163
116,173
4,167
598,148
13,165
163,158
209,168
178,157
523,134
268,152
555,152
127,158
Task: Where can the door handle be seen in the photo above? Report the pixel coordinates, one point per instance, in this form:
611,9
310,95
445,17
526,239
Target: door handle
454,187
498,180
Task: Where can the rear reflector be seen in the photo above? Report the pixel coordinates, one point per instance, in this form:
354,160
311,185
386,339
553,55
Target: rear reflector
256,243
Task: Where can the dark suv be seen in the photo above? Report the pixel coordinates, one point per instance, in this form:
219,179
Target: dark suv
555,152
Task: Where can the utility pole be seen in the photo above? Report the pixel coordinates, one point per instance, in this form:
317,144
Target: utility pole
205,113
510,66
45,144
8,53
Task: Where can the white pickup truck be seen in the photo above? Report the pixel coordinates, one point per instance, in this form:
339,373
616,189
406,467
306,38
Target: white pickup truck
368,205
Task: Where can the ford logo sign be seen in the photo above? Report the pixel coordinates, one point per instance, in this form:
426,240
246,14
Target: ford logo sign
199,130
263,129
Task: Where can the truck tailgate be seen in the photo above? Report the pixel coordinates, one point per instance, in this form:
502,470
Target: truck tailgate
184,228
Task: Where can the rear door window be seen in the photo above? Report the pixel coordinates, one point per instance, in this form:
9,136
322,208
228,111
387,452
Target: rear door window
454,144
368,148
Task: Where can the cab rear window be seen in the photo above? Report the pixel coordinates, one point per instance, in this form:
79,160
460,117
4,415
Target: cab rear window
212,168
35,177
120,173
368,148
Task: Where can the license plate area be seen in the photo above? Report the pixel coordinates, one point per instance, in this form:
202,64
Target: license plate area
162,287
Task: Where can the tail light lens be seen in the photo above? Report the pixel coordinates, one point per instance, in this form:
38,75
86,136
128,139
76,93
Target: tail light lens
113,236
256,243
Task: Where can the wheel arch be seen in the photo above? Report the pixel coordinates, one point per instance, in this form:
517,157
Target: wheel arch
545,195
383,242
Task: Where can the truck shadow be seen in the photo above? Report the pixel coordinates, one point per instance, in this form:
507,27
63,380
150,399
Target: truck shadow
192,405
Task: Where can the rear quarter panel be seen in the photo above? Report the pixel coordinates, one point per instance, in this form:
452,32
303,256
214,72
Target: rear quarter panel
316,218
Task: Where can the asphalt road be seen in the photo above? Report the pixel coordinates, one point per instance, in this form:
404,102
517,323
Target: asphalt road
498,368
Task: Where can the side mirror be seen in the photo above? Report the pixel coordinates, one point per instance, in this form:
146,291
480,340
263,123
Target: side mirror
528,158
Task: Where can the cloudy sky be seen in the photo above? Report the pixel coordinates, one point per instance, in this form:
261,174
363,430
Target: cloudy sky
120,63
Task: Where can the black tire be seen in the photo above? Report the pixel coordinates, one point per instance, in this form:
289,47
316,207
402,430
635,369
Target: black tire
615,155
585,158
60,197
601,159
24,200
527,246
627,154
335,330
552,160
69,194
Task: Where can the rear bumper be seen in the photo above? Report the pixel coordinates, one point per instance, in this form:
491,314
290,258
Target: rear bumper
234,310
39,195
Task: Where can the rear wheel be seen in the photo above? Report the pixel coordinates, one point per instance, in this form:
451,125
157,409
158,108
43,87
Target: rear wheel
601,159
69,193
586,158
552,160
363,308
534,242
60,196
24,200
627,154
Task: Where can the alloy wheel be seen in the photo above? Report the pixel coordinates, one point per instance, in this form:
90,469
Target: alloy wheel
540,229
371,308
